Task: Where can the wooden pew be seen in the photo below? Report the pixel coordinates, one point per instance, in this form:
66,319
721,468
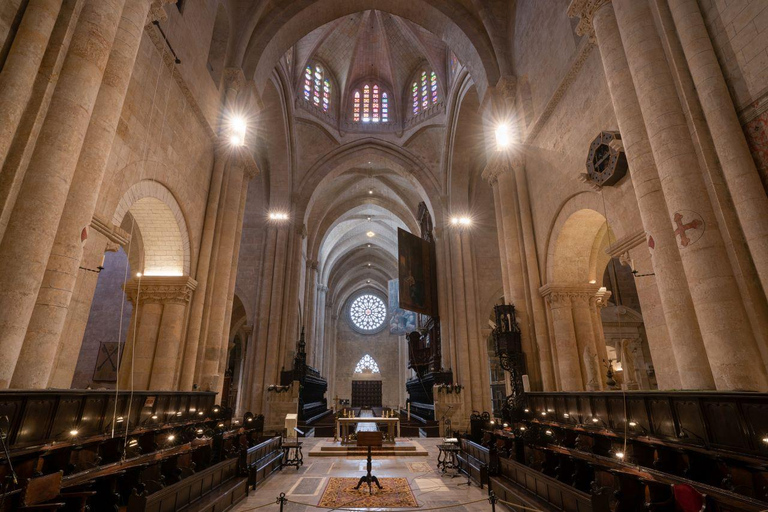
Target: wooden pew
474,460
261,460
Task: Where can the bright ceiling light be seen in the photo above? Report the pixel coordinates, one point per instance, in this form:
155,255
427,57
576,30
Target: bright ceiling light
593,281
278,216
461,221
370,234
370,192
503,136
238,128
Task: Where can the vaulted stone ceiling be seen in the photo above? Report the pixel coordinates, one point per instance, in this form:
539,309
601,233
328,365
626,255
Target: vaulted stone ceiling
372,45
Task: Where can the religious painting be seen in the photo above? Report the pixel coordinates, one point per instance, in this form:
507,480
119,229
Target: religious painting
106,362
402,321
415,272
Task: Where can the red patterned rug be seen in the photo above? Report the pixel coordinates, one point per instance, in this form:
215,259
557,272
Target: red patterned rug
341,493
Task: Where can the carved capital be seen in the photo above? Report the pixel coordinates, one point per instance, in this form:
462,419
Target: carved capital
323,289
111,247
234,78
156,11
301,230
312,264
160,289
501,162
585,10
247,330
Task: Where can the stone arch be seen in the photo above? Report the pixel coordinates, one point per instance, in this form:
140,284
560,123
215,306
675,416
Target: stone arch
358,153
577,202
164,233
579,256
286,24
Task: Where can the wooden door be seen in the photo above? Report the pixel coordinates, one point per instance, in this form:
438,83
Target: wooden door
366,393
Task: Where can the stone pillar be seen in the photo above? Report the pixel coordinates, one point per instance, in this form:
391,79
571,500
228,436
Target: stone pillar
175,295
465,346
739,169
538,311
493,182
191,368
32,226
152,349
565,339
21,66
218,325
596,303
310,309
50,313
684,333
730,345
500,173
319,335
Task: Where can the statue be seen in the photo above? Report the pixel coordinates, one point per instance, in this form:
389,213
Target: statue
590,365
628,364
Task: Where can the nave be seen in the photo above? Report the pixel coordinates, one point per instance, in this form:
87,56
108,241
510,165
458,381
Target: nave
526,238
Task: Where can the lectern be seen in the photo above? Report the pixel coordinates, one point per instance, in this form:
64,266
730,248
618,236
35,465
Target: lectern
369,439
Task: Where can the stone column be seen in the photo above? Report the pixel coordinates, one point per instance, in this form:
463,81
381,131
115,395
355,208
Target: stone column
739,169
538,311
684,333
565,340
234,80
50,313
469,366
32,226
730,345
322,290
152,348
501,171
175,294
310,306
218,325
21,66
493,182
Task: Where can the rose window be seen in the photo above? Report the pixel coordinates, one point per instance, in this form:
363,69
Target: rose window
368,312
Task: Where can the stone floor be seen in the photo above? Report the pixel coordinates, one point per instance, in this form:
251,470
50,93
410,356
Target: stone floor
430,488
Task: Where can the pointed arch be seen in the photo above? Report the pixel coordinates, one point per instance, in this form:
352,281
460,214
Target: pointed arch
367,363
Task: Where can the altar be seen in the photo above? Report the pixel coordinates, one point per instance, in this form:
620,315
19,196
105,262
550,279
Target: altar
342,427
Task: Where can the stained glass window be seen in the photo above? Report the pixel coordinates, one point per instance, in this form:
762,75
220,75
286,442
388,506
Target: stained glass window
433,87
308,83
366,104
424,91
384,108
374,106
368,312
317,88
367,363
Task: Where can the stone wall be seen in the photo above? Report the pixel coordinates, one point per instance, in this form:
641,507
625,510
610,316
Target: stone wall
9,11
383,347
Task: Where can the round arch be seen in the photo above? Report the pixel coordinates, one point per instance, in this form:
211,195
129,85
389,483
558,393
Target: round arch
164,231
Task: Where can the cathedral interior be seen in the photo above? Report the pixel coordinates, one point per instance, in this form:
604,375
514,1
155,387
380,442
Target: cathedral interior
523,243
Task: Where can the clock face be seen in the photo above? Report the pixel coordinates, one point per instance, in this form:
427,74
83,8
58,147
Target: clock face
606,163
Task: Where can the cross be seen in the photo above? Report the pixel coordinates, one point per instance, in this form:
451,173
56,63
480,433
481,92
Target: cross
682,228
